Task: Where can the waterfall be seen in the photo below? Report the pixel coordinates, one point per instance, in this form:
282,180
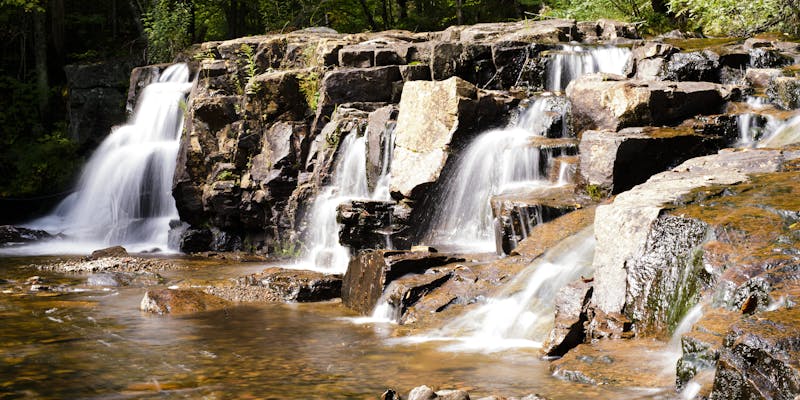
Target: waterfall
572,61
124,192
523,313
750,128
496,161
783,135
349,183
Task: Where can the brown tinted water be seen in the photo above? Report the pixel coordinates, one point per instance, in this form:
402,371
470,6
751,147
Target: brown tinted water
95,344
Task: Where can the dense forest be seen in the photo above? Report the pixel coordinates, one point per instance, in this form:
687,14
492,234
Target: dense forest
38,156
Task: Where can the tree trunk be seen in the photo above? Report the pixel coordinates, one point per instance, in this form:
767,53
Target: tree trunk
368,15
402,5
660,6
57,53
137,17
459,14
40,60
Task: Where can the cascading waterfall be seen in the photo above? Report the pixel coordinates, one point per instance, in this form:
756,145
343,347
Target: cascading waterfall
124,193
523,314
503,159
497,160
572,61
349,183
750,128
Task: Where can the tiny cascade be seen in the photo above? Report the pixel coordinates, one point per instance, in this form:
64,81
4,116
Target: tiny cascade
523,314
349,182
783,135
498,160
674,350
750,126
124,192
573,61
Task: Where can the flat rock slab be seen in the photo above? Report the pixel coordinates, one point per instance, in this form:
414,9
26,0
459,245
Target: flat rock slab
279,285
616,161
109,264
602,101
628,363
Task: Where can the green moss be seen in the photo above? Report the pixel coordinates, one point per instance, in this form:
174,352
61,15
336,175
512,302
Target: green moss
227,176
595,192
287,248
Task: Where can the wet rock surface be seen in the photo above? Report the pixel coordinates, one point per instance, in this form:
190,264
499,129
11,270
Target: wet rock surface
10,234
646,264
179,301
370,272
278,284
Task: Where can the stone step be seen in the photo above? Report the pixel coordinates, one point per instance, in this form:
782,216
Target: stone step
518,211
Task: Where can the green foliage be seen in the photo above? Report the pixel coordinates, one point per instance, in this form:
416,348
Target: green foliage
39,166
595,192
287,248
166,27
309,86
738,18
251,69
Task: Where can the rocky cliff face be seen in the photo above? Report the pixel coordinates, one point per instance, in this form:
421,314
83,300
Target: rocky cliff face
269,116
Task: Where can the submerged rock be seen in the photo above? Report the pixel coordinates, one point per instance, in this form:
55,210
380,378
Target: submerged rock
180,301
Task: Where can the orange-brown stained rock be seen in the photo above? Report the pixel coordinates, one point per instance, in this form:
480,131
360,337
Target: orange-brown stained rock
180,301
630,363
545,236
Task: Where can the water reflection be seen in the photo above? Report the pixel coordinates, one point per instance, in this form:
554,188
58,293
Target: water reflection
96,344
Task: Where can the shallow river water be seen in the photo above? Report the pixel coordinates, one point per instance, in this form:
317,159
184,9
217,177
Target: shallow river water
96,344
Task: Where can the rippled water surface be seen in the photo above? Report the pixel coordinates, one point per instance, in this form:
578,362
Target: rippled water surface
95,344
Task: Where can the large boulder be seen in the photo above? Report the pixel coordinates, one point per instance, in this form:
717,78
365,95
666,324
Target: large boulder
370,272
613,162
434,118
365,224
601,101
647,261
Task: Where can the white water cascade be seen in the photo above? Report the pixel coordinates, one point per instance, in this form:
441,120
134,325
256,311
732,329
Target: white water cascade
496,161
573,61
349,182
523,314
750,128
124,193
782,135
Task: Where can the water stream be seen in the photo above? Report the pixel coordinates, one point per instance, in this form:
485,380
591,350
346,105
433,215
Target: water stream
95,344
573,61
124,195
522,314
349,182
